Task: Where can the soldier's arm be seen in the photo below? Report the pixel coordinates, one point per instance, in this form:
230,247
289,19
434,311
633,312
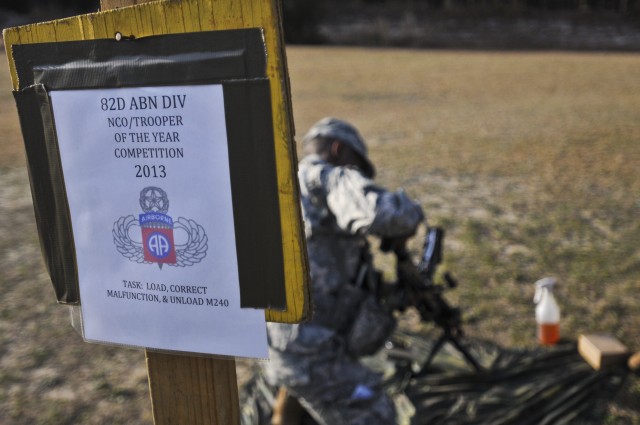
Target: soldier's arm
360,206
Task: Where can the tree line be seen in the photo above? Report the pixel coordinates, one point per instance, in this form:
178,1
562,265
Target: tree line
620,6
302,17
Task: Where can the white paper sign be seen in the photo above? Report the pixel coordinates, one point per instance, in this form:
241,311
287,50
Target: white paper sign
146,171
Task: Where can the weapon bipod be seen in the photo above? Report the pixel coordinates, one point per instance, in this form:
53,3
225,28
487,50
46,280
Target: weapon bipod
447,336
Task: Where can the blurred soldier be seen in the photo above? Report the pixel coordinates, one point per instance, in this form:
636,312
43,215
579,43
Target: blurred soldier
317,361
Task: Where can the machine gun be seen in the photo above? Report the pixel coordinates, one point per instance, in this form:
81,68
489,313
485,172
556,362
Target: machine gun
420,291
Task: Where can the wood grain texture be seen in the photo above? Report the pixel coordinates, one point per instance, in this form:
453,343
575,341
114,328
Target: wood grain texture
192,390
176,16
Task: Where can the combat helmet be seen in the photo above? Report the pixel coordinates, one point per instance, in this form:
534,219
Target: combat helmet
333,128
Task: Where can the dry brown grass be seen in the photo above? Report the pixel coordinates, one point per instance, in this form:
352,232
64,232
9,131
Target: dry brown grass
529,160
511,150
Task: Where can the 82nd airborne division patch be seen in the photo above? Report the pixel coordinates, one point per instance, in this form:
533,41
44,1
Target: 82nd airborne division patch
156,243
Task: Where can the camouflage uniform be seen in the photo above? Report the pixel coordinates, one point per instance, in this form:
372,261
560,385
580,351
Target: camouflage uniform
340,207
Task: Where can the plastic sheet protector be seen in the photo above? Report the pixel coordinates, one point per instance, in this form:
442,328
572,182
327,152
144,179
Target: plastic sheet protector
148,185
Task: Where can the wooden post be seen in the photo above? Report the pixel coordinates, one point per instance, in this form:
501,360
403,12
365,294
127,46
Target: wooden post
192,390
188,389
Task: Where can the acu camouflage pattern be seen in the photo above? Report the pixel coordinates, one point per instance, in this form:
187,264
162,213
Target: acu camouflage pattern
341,207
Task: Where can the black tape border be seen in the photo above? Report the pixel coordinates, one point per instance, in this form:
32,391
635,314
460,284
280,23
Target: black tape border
234,58
48,190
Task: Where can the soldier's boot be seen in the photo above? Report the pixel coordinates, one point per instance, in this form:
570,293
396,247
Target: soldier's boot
286,410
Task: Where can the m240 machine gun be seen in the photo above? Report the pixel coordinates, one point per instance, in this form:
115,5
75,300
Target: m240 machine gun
417,283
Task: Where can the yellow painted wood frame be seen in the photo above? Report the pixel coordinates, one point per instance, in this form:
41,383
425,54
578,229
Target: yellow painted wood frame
173,16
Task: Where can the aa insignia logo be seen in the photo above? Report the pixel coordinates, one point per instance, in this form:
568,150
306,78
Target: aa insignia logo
157,227
156,240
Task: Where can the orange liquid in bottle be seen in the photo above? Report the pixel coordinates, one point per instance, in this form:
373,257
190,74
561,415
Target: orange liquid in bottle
548,333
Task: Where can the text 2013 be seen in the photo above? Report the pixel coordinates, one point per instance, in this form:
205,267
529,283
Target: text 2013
155,171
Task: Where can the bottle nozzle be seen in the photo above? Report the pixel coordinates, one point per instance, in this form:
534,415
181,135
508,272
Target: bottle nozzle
544,283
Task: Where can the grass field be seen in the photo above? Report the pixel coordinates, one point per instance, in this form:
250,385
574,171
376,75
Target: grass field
530,161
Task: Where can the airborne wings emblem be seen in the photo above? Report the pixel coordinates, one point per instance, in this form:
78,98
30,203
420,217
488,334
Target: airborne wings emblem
155,242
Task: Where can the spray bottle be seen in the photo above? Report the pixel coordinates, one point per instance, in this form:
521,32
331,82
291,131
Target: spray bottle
547,312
